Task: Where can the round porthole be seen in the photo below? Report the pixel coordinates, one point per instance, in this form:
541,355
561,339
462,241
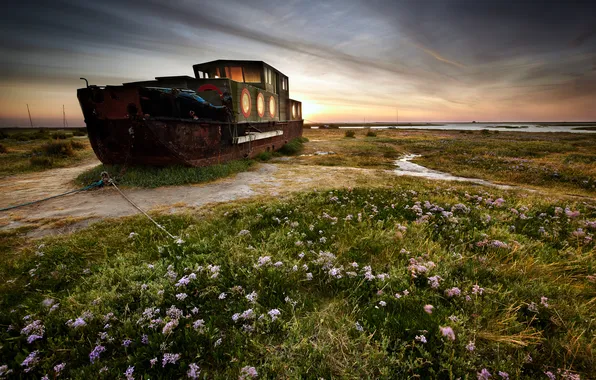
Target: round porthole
272,106
261,105
245,102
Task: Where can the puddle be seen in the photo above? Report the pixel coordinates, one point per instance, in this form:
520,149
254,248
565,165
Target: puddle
317,153
406,167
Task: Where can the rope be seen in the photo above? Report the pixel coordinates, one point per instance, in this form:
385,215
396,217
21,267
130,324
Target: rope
91,186
111,182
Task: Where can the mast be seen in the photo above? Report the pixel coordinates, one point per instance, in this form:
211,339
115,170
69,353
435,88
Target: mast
29,112
64,121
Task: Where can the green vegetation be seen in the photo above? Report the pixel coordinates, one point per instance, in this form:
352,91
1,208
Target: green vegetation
41,162
370,133
585,128
350,133
141,176
408,281
559,162
30,150
61,148
3,149
293,147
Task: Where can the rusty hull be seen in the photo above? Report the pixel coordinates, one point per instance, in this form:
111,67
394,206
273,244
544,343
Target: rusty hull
120,134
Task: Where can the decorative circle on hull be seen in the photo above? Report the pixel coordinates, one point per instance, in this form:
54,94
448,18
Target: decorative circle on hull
207,87
245,102
272,106
261,105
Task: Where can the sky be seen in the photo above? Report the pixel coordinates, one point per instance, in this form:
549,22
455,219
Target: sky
373,60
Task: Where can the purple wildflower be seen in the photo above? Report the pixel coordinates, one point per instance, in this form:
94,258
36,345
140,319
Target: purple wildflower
31,361
453,292
434,281
145,339
448,332
94,355
170,326
470,346
504,375
484,374
126,342
543,301
248,372
193,371
274,313
129,373
252,297
550,375
420,338
59,367
429,308
170,358
153,362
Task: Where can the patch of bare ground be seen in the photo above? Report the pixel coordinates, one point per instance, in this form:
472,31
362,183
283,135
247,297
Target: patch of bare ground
75,211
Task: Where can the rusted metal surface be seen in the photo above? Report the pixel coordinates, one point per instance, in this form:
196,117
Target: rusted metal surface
149,123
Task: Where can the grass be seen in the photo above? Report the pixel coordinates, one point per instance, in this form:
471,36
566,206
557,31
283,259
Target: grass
502,251
560,162
151,177
31,150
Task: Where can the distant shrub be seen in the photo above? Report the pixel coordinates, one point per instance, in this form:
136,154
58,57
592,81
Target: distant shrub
58,149
485,132
3,135
3,149
79,133
350,134
59,135
21,136
293,147
77,145
371,133
41,134
41,161
264,156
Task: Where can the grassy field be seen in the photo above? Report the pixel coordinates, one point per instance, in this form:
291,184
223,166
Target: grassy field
32,150
398,280
139,176
561,162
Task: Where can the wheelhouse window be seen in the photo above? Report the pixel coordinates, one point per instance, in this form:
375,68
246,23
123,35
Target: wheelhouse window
235,73
252,75
284,83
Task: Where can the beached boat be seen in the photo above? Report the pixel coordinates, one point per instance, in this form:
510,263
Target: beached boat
230,110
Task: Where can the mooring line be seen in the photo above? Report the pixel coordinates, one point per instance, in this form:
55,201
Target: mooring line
91,186
111,182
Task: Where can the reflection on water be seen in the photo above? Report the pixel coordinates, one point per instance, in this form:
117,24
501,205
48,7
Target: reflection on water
406,167
490,126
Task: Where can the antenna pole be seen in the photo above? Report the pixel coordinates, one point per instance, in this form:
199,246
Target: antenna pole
64,121
29,112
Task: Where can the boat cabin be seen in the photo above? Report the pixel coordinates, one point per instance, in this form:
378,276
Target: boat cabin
257,91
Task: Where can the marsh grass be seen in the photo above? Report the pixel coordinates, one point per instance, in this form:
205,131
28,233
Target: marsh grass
561,162
146,176
337,324
26,155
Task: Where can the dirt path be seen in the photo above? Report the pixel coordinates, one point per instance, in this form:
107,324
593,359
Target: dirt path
78,210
